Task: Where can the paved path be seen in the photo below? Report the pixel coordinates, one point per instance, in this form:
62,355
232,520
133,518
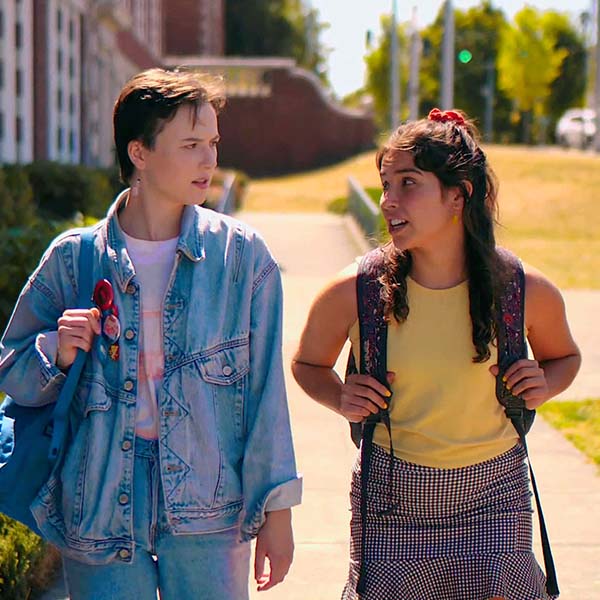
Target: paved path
310,249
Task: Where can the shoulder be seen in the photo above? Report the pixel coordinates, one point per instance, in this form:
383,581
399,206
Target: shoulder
229,228
337,299
65,246
537,285
543,299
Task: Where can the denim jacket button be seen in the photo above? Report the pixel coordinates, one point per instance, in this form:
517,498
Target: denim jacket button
130,289
126,445
124,553
128,385
124,499
129,334
227,370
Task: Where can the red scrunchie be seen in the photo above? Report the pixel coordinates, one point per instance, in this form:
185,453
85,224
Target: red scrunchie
444,116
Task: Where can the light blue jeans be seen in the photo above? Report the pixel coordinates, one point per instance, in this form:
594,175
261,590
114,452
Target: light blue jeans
181,567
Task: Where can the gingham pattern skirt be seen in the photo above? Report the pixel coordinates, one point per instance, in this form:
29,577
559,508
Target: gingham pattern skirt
445,534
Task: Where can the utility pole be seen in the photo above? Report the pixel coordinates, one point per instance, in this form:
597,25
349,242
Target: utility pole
489,89
447,87
415,56
394,71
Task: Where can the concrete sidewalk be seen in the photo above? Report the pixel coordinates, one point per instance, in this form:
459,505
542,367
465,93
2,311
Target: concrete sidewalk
310,249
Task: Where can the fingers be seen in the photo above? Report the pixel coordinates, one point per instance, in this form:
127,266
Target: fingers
280,565
259,565
527,379
76,330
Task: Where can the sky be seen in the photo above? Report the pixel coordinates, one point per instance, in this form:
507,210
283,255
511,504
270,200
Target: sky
350,20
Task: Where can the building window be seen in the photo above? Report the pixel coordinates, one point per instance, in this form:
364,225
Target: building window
19,82
19,132
71,104
59,59
1,75
18,34
59,20
71,67
71,141
59,99
71,30
1,125
59,139
1,24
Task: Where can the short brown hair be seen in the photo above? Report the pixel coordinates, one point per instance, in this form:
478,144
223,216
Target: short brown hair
151,98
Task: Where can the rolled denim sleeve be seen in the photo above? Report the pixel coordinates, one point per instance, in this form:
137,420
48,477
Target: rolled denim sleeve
269,477
27,360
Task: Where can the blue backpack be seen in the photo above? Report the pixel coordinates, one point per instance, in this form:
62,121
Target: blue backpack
512,346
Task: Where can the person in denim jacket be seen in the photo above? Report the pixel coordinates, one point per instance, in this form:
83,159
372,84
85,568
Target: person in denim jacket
181,450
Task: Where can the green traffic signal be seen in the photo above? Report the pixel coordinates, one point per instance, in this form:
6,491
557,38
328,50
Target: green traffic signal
465,56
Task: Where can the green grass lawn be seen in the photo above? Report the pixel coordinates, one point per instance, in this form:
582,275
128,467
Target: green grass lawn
549,205
579,422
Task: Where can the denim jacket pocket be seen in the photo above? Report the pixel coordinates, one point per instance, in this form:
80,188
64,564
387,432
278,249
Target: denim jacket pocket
226,363
92,395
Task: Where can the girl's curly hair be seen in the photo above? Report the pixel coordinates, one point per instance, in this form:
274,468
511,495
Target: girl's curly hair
450,150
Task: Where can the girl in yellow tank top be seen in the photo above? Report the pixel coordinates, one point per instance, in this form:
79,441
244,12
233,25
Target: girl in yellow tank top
451,518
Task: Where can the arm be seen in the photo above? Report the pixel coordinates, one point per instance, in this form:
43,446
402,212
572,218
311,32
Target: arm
332,314
270,482
43,336
28,371
556,355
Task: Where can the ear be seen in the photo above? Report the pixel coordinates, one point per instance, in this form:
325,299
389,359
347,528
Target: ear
137,154
469,187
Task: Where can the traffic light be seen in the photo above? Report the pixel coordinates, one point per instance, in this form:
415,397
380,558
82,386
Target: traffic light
465,56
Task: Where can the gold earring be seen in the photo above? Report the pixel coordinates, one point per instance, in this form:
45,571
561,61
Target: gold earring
455,219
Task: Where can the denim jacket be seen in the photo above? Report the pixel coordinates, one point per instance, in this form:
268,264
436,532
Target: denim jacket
225,442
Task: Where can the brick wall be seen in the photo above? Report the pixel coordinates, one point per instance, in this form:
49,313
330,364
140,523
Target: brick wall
294,128
194,27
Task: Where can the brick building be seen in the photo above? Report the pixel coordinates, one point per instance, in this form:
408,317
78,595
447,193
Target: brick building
63,62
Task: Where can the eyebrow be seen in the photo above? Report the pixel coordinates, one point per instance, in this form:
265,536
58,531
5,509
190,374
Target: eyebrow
400,171
197,139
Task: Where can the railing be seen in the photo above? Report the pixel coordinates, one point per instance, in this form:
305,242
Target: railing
226,204
363,210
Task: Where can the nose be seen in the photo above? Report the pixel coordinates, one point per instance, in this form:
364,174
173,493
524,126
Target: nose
388,200
209,157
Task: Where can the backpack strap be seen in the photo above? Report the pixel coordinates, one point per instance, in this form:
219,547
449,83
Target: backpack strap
373,361
84,300
512,346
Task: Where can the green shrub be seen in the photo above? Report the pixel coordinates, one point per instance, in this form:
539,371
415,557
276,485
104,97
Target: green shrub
60,191
16,197
20,252
20,551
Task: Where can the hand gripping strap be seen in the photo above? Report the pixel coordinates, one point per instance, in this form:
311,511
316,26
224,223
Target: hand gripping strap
373,361
512,346
61,410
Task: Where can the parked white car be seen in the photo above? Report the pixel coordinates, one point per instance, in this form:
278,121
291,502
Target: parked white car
576,128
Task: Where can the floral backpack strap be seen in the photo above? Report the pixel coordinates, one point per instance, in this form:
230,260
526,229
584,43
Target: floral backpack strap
512,346
373,361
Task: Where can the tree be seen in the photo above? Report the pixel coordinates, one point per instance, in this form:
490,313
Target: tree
378,65
276,28
529,61
568,89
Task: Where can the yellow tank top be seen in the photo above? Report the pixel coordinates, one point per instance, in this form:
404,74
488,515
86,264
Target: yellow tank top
444,412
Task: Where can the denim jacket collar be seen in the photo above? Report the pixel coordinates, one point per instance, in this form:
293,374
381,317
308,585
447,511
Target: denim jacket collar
190,244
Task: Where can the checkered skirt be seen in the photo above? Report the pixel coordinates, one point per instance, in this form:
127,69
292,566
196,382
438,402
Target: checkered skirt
445,534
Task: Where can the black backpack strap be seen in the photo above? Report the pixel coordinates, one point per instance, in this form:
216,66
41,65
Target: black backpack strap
373,361
512,346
